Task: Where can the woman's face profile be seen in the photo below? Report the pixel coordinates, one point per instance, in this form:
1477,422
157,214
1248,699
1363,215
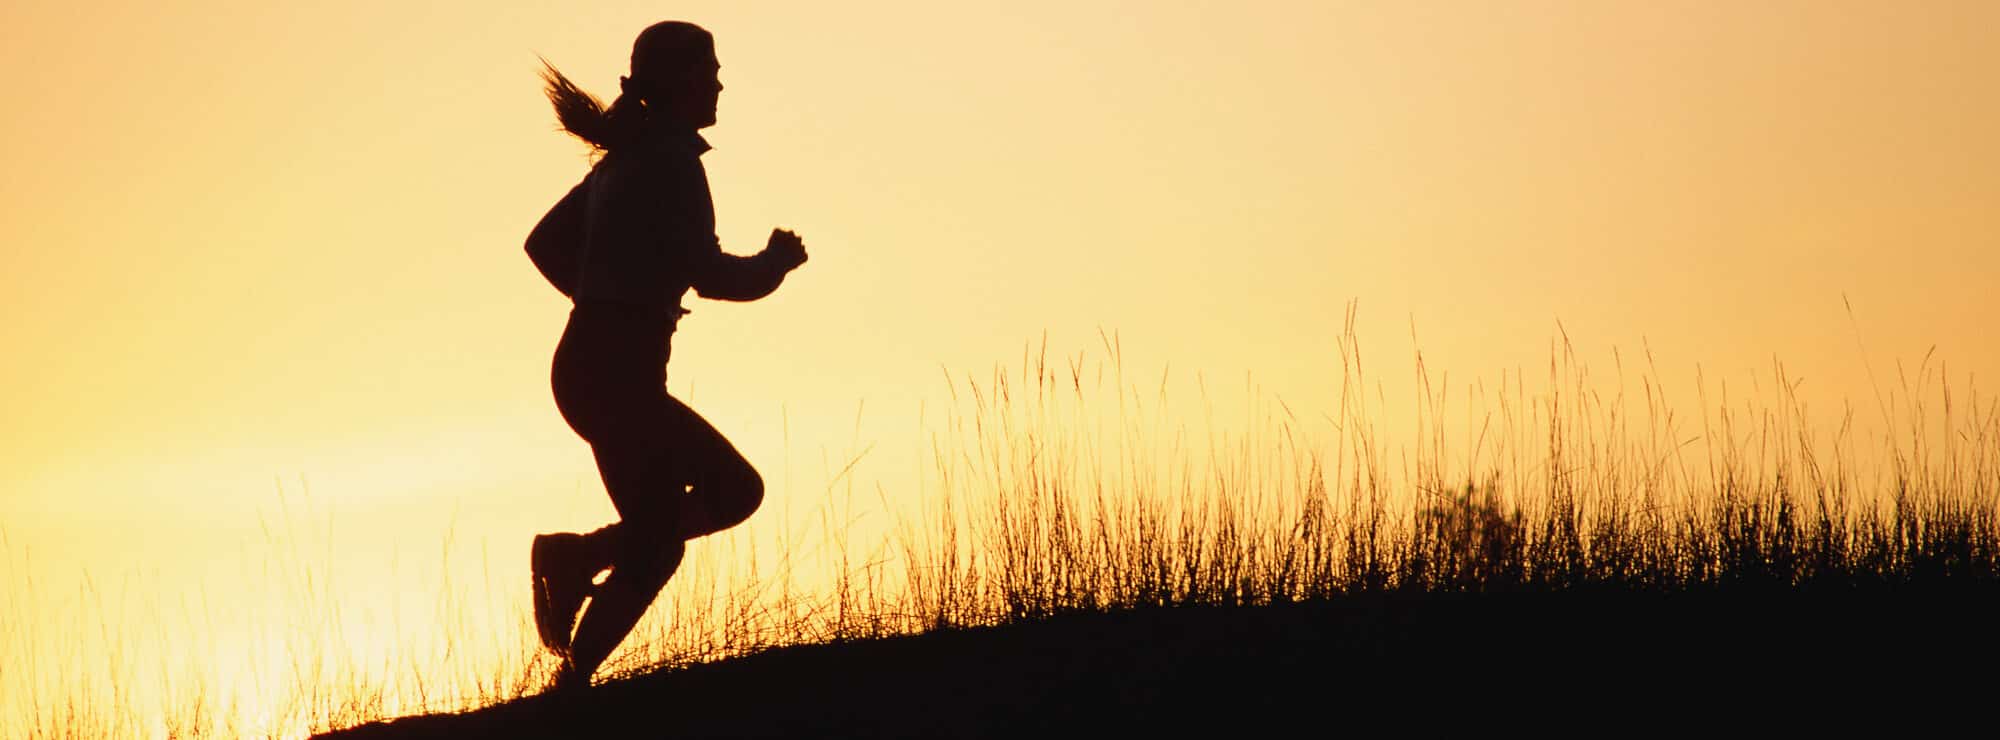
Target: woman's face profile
709,90
691,92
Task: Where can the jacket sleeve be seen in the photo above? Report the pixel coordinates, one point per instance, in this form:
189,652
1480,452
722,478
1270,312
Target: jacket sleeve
556,243
718,275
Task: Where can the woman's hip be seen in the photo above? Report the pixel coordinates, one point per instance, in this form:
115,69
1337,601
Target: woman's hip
609,371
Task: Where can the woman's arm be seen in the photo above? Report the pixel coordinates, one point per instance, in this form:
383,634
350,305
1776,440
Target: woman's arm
556,243
718,275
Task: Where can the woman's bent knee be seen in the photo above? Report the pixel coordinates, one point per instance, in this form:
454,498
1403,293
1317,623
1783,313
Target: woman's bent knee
726,502
748,495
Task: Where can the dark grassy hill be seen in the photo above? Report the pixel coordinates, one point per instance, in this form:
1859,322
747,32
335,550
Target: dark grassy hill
1419,659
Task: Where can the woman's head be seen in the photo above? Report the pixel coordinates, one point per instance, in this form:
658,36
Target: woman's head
673,85
674,71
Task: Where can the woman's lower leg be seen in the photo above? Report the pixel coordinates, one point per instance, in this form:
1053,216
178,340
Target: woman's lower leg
616,606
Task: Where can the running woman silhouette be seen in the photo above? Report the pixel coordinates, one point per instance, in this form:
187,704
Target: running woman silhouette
644,230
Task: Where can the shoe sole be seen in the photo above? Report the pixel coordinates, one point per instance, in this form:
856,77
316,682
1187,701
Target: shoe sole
553,638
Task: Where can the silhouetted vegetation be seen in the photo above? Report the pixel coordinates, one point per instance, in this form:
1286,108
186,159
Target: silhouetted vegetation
1068,519
1760,544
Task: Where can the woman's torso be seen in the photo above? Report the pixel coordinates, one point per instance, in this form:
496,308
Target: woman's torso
647,211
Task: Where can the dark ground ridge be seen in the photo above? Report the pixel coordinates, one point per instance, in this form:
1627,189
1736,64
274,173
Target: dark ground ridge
1422,658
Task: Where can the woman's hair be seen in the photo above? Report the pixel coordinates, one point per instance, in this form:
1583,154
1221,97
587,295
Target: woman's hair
660,51
587,118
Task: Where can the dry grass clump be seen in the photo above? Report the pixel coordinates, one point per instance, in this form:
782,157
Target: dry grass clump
1557,491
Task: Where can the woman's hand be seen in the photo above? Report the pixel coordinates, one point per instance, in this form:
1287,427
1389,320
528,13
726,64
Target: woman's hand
787,248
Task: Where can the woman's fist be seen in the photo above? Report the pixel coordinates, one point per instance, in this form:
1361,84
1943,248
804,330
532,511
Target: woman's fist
786,247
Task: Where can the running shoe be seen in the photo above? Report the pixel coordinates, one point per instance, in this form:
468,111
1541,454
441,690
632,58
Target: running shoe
561,582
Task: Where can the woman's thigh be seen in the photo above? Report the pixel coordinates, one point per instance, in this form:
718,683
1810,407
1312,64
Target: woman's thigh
724,488
684,430
666,453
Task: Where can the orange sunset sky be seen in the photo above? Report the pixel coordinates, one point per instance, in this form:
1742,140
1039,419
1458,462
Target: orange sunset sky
250,245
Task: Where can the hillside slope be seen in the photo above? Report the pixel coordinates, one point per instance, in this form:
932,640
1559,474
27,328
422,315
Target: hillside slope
1392,659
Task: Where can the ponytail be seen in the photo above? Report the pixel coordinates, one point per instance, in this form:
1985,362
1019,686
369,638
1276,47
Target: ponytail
586,117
